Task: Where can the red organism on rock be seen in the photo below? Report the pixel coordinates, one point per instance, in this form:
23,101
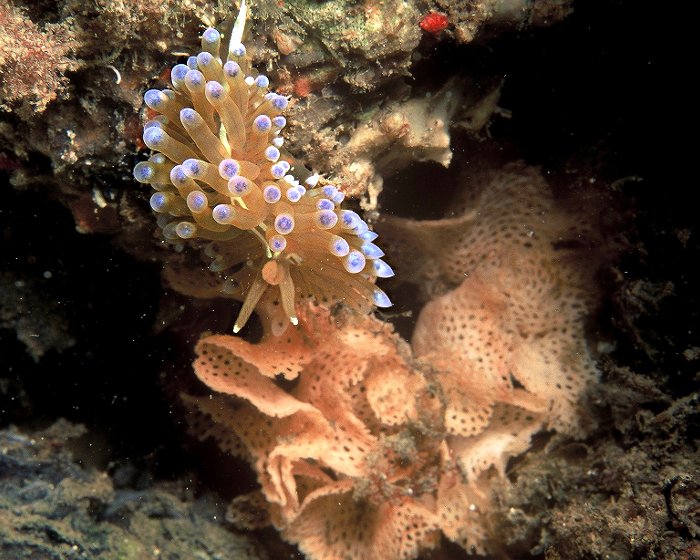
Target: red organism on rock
434,22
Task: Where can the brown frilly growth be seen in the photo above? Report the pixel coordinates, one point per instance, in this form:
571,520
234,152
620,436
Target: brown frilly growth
519,270
363,451
351,447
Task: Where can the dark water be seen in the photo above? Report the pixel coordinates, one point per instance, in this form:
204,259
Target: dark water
592,95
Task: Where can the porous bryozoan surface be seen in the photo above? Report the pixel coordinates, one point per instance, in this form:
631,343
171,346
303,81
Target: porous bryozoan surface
375,448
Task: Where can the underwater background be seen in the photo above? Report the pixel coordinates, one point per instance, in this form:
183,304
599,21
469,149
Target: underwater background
428,116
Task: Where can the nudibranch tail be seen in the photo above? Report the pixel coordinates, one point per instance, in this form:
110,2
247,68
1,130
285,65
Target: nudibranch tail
219,176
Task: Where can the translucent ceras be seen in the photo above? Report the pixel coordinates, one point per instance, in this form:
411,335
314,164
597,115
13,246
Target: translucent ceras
219,176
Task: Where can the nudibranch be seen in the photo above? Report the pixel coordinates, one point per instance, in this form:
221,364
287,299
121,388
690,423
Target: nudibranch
220,175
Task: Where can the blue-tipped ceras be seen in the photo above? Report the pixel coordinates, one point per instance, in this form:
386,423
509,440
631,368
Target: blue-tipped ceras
220,175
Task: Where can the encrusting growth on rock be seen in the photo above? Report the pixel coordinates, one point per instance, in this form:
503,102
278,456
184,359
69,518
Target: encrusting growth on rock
221,176
33,60
370,449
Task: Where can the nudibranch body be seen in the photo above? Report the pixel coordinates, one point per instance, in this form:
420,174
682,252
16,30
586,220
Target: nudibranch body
220,175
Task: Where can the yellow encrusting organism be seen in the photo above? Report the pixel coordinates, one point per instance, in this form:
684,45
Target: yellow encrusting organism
219,176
